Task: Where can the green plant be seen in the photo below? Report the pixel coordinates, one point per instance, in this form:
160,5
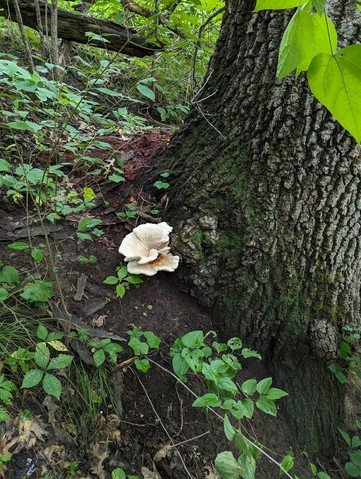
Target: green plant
4,458
353,467
45,362
119,473
103,349
219,364
130,213
123,280
141,342
160,184
6,396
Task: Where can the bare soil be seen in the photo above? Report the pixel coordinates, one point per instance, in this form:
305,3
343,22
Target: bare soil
159,434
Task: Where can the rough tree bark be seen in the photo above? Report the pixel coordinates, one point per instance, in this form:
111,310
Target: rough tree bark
73,27
266,208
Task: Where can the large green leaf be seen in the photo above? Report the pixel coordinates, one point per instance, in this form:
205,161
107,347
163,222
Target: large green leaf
227,466
335,80
305,37
278,4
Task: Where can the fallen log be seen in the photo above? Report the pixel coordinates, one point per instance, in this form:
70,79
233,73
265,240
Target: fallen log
73,27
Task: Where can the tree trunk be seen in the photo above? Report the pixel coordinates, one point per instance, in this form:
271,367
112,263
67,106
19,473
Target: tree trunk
74,27
266,208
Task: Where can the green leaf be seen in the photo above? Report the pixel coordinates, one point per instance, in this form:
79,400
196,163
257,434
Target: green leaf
229,430
99,357
25,126
120,290
226,384
37,255
209,373
9,274
42,355
133,279
40,291
264,385
111,280
275,393
352,470
335,80
234,343
145,91
287,464
180,366
5,166
249,387
241,443
152,339
209,399
18,246
59,362
52,385
142,365
337,371
249,466
122,272
42,332
227,466
249,353
4,416
88,222
356,458
3,294
266,405
194,339
324,475
278,4
248,407
118,474
116,178
32,378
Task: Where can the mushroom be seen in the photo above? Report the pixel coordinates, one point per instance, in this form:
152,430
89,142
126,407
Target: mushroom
147,251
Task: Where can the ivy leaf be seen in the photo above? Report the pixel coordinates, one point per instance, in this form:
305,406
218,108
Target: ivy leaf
335,80
278,4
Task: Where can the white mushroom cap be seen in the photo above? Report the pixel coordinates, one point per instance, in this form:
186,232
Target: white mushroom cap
147,251
166,262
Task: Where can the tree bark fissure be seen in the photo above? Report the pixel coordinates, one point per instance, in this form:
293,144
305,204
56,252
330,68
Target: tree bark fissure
267,215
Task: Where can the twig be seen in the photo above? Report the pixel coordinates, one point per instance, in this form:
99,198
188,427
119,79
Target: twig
24,38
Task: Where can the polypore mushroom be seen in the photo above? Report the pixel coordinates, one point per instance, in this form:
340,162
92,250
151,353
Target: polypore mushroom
147,251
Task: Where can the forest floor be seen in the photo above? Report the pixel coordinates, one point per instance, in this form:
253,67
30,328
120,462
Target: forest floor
159,434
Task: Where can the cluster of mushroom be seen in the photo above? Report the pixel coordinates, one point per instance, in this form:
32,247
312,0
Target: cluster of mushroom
147,251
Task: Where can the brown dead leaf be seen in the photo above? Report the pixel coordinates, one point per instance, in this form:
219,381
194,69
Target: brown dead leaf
148,474
211,473
99,321
53,449
165,451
